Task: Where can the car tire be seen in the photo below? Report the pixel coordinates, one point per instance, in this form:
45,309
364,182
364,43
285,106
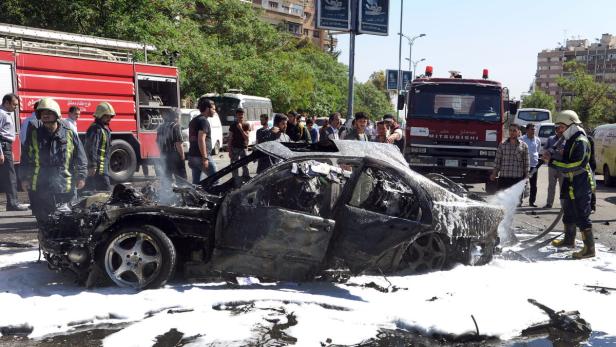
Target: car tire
122,161
608,179
139,257
427,253
216,148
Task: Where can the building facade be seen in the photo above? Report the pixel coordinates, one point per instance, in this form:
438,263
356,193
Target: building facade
599,58
296,16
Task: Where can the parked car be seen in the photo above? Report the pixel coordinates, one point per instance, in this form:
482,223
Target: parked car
320,206
605,152
545,131
187,115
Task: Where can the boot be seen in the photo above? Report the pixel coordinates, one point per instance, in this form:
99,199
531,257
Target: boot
589,245
569,239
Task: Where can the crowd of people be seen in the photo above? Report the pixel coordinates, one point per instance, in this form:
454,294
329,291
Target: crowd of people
570,157
55,164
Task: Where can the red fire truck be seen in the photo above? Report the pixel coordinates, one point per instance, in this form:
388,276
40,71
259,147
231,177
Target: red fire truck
84,70
454,126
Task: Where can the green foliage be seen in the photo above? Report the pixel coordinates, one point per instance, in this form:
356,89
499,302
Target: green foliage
371,100
222,44
593,101
539,99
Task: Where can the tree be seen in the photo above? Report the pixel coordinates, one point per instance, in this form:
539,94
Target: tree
539,99
371,100
592,100
222,44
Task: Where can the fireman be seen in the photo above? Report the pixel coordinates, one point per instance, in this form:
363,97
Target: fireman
98,138
578,185
53,162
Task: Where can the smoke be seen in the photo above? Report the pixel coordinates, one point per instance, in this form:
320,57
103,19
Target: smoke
508,199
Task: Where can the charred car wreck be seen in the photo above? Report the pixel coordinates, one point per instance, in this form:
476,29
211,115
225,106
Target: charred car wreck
344,203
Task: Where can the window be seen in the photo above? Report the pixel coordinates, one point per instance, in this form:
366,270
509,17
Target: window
273,4
385,193
294,28
308,186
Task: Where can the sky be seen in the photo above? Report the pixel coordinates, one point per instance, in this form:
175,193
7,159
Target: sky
470,35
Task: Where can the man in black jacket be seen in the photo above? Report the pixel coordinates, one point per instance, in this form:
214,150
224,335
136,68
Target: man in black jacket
97,146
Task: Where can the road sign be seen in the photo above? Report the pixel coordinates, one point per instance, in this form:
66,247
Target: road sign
391,78
373,17
334,14
406,79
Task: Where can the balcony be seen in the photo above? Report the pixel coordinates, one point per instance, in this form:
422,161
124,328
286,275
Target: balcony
283,7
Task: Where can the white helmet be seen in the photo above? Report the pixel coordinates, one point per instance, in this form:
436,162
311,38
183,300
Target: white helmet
567,117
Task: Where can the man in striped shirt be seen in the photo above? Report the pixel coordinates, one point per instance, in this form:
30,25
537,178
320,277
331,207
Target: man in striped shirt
512,161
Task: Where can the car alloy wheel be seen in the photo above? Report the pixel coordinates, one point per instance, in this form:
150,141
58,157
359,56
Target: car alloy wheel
427,253
139,257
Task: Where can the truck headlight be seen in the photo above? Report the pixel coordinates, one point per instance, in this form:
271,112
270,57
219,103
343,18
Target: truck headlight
419,149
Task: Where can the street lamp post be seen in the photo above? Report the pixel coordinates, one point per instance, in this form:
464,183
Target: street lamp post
411,40
415,65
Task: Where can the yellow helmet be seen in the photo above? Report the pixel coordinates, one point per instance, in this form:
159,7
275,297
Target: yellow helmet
47,104
104,108
567,117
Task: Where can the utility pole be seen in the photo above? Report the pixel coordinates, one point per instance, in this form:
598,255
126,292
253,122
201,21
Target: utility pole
399,62
352,34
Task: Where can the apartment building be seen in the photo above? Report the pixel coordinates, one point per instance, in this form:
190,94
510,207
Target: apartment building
599,59
297,17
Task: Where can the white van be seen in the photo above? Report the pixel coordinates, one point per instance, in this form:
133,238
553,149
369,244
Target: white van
532,115
187,115
605,152
254,107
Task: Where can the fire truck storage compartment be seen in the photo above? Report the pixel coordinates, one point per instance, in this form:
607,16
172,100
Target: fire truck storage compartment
157,96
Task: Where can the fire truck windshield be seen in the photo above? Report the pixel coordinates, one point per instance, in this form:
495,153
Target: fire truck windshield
462,102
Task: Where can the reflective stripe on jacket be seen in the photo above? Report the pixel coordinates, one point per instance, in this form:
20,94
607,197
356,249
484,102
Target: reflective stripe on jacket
98,139
575,167
51,162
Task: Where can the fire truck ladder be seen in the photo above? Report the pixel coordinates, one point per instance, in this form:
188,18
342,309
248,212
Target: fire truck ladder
26,39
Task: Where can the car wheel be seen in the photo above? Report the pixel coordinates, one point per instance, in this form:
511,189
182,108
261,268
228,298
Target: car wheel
139,257
427,253
608,179
216,149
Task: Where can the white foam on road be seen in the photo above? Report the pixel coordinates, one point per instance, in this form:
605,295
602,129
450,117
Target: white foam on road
495,294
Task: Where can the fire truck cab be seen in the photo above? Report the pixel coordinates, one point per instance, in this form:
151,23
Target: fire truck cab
454,126
83,71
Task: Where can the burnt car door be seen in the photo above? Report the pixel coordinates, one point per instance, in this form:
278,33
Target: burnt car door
279,225
379,211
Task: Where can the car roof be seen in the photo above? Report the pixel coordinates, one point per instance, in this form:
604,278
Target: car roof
344,149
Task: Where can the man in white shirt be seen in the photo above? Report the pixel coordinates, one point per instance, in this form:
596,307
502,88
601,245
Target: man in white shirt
8,177
534,145
73,114
23,130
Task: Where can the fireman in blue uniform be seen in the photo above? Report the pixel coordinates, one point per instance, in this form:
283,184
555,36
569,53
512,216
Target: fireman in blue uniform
98,139
53,162
578,185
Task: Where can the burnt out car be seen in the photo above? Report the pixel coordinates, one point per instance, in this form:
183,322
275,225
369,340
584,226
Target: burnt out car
340,204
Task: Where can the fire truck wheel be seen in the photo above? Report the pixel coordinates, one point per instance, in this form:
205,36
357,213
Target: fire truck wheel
122,161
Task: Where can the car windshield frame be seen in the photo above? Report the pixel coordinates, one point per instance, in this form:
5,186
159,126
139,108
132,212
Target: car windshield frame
456,102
